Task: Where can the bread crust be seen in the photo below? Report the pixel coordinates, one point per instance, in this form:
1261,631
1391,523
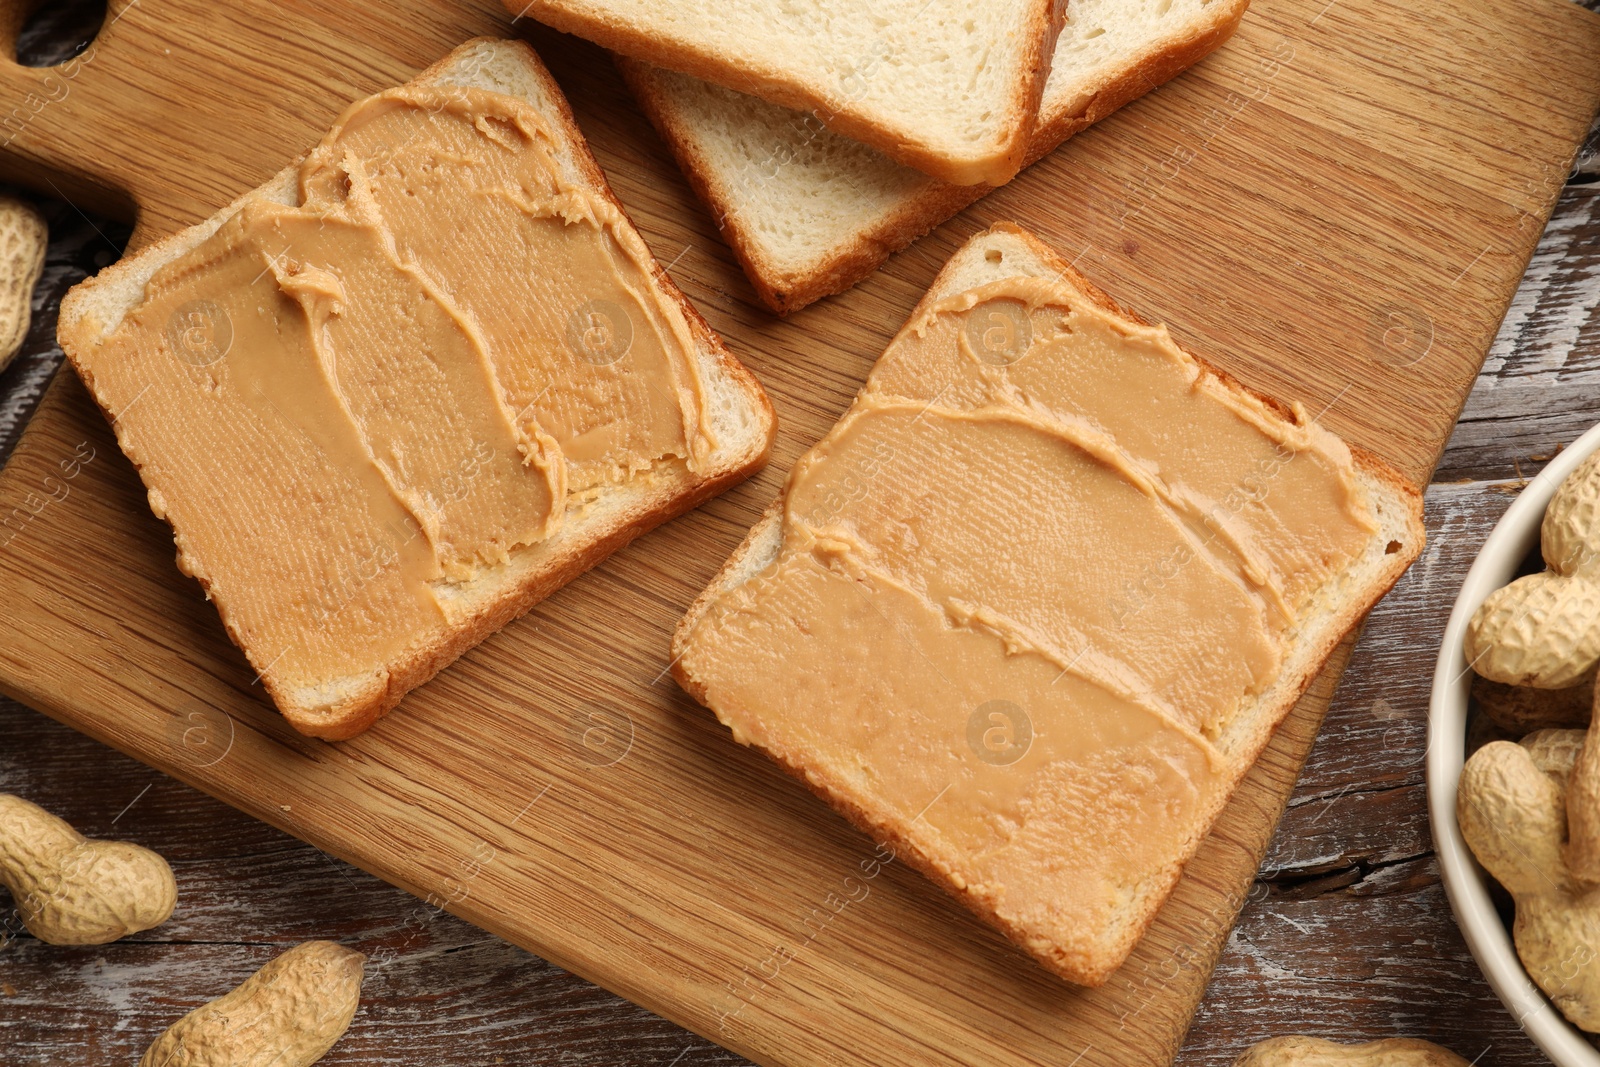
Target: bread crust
1242,751
786,292
997,167
79,330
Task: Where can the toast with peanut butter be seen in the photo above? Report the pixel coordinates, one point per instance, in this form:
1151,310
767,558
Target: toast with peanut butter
409,387
1034,606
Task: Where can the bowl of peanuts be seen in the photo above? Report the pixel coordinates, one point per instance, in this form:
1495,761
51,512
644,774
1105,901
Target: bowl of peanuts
1510,706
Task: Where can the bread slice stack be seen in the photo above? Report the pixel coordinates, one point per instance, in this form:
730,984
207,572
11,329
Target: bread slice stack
595,523
1071,846
809,212
945,86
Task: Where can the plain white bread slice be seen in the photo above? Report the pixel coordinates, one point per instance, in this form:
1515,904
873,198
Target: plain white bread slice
810,213
948,87
1006,251
741,416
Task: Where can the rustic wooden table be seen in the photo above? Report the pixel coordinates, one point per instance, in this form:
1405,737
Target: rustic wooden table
1347,933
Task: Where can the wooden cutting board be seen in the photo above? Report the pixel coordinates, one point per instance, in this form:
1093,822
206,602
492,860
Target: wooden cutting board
1336,207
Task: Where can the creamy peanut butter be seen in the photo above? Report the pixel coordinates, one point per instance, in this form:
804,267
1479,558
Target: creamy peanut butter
468,181
351,406
1023,588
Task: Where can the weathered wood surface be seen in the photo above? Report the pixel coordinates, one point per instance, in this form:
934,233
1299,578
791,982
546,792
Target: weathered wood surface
1347,933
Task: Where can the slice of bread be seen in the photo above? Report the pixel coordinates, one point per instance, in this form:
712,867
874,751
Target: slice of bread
810,213
947,87
1085,956
741,419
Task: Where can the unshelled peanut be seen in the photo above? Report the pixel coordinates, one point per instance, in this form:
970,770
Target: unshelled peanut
1543,630
1316,1052
69,890
23,239
1512,812
287,1014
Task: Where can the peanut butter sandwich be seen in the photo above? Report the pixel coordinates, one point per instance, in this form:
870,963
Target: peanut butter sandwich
395,397
1035,604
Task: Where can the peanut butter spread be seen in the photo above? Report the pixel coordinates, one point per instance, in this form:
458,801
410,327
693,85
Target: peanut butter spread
1023,589
351,408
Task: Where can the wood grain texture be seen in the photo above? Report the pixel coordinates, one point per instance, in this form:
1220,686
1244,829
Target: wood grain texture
1509,414
672,873
1346,932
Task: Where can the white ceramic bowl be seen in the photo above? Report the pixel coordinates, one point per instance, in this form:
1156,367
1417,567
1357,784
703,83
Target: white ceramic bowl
1466,883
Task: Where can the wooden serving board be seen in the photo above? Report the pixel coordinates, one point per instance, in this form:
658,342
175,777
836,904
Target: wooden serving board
1336,207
